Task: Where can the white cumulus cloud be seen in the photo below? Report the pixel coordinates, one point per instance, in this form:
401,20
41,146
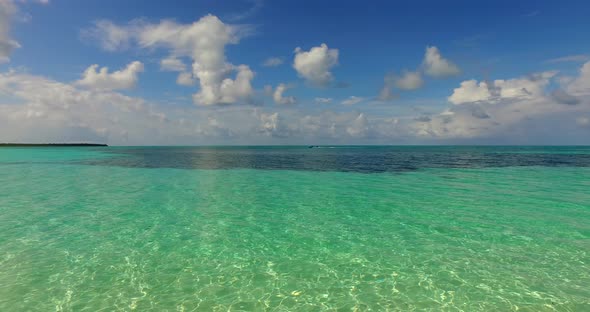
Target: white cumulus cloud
581,84
111,37
51,111
531,87
315,65
471,91
272,124
185,79
204,41
172,64
7,44
518,110
278,97
386,92
409,80
96,78
359,127
435,65
38,109
230,90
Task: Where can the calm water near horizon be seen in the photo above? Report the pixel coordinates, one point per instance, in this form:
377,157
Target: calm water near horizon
340,228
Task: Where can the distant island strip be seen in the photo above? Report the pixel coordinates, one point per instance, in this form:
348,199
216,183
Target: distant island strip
49,144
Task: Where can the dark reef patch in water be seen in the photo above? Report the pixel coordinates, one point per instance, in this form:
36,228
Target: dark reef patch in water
362,159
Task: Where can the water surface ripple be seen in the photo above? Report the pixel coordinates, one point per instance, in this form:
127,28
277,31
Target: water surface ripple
153,229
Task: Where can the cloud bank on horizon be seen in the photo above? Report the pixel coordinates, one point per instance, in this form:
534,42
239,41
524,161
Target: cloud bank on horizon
162,81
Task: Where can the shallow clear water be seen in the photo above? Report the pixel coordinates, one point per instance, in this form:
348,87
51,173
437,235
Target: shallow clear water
295,229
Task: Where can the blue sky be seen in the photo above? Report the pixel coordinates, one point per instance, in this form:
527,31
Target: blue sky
503,72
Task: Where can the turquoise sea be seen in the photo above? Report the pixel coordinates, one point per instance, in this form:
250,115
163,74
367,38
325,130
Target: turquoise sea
295,229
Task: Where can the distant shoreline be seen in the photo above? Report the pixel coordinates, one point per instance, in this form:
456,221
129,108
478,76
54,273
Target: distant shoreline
49,144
